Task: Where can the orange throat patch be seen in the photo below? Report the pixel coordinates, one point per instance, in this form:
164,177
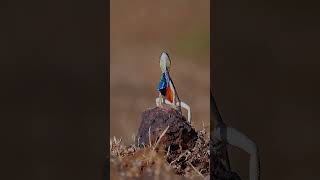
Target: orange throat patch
169,94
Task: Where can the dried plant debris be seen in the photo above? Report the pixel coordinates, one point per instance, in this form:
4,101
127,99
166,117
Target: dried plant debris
155,162
193,161
168,147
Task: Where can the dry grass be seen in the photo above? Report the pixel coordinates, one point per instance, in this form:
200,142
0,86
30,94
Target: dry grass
157,162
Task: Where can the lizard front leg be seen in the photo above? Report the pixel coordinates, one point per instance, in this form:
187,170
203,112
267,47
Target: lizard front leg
161,100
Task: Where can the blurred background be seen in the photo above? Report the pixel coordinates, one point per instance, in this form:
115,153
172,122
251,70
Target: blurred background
139,32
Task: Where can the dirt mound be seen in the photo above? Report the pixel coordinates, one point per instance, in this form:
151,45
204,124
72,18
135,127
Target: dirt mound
167,143
179,133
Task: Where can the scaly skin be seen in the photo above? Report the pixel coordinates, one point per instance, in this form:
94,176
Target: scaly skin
165,64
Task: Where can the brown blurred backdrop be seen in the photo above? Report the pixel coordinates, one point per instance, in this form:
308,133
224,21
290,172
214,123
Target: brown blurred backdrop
139,32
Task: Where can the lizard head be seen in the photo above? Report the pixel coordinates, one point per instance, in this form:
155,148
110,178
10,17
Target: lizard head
165,62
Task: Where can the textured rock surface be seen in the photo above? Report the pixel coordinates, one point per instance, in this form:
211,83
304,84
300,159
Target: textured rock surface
179,134
181,137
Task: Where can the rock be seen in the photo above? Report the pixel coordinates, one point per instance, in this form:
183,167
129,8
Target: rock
180,134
